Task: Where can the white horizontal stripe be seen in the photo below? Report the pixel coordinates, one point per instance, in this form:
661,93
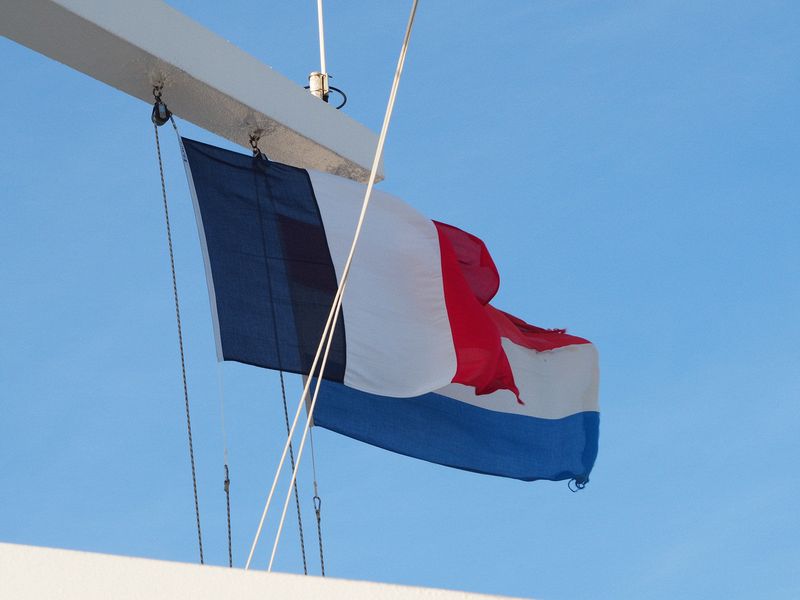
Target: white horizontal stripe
553,384
397,331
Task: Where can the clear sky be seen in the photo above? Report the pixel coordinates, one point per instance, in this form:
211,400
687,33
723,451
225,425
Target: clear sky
633,167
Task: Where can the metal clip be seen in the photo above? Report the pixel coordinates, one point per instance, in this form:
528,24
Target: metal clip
254,138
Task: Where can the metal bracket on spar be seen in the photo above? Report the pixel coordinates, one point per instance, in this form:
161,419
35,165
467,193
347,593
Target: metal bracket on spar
161,113
216,86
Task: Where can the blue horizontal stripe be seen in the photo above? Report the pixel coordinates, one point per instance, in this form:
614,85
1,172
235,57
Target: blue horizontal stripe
449,432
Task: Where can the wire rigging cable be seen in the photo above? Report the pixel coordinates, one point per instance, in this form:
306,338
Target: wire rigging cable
226,484
323,67
317,502
333,316
296,494
159,117
259,155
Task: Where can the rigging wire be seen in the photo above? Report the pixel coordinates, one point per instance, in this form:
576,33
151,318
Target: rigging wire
333,316
348,263
160,116
160,112
227,481
316,499
317,502
296,494
259,155
227,487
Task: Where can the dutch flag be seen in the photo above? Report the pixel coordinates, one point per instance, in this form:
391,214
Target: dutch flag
421,363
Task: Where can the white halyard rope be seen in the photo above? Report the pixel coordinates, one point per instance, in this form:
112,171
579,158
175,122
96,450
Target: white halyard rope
333,317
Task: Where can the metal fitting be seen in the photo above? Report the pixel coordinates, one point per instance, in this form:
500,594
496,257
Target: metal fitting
318,85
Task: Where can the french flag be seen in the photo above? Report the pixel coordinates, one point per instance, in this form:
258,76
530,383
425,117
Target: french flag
421,364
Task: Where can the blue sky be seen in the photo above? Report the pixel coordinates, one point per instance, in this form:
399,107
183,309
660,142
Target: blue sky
633,168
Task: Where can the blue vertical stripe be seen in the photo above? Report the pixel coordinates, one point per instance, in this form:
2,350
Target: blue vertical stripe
273,277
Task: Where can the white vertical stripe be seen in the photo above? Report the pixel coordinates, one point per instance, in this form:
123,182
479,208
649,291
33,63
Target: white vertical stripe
397,330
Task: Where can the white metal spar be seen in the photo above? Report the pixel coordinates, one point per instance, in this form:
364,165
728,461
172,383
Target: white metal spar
207,80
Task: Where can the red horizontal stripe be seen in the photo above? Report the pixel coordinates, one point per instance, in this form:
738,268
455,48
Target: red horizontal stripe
530,336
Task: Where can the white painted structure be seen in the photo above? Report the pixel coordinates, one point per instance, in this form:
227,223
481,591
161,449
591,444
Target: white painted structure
207,80
28,573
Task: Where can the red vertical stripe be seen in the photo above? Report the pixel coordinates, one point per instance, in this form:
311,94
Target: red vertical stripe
470,282
467,277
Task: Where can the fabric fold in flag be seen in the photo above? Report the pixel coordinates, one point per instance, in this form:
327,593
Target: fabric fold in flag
421,363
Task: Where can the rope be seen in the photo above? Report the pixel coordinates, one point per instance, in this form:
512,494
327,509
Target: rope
296,495
333,316
159,117
348,265
258,155
157,94
227,486
227,481
317,503
282,460
337,310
